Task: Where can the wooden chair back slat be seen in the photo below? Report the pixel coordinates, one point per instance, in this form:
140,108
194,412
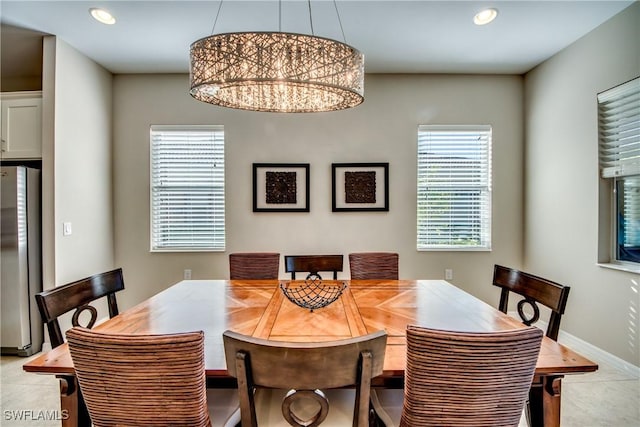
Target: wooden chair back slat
55,302
141,380
313,264
468,379
304,367
546,292
254,265
373,266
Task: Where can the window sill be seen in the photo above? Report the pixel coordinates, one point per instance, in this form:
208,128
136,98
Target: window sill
620,267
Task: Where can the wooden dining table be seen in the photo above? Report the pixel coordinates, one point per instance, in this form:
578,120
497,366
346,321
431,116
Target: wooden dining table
260,308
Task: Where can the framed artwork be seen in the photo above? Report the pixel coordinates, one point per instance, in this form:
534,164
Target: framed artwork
359,187
281,187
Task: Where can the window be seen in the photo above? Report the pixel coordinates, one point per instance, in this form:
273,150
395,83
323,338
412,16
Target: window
627,246
454,188
619,140
187,188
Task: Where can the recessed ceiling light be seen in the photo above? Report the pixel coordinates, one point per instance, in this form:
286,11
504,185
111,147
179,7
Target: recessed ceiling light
102,15
485,16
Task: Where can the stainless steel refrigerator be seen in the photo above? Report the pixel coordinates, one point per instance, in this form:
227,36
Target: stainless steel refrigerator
20,260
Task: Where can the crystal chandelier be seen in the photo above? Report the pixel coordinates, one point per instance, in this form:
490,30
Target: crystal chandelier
276,72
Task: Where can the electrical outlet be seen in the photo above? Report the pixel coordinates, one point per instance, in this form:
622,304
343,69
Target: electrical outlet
448,274
187,274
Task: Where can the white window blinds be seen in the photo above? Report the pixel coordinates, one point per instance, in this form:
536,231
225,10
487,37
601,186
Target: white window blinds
454,188
619,130
187,188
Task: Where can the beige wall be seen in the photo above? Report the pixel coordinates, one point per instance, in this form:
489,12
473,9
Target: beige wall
82,161
383,129
76,168
561,205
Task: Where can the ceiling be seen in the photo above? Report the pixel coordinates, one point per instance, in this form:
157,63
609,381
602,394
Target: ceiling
395,36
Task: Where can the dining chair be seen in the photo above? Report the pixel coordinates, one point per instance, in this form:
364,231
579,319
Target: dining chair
254,265
534,290
377,266
468,378
313,264
77,295
307,370
373,265
141,380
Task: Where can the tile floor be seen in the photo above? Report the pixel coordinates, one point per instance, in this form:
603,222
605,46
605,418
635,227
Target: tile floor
608,397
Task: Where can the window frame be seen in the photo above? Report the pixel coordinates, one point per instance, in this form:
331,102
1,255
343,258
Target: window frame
612,168
485,187
217,227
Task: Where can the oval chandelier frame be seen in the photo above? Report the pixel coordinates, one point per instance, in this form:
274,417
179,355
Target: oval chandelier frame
276,71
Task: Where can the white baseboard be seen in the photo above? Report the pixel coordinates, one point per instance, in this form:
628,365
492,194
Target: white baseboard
597,354
590,351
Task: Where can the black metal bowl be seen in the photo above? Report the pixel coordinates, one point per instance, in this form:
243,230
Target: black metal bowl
313,293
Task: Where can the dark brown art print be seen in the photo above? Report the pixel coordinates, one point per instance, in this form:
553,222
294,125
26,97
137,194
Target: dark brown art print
281,187
360,187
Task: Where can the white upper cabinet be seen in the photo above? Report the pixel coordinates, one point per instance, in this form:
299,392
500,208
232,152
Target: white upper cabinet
21,125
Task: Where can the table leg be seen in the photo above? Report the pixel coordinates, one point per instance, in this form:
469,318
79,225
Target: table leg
74,410
543,409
